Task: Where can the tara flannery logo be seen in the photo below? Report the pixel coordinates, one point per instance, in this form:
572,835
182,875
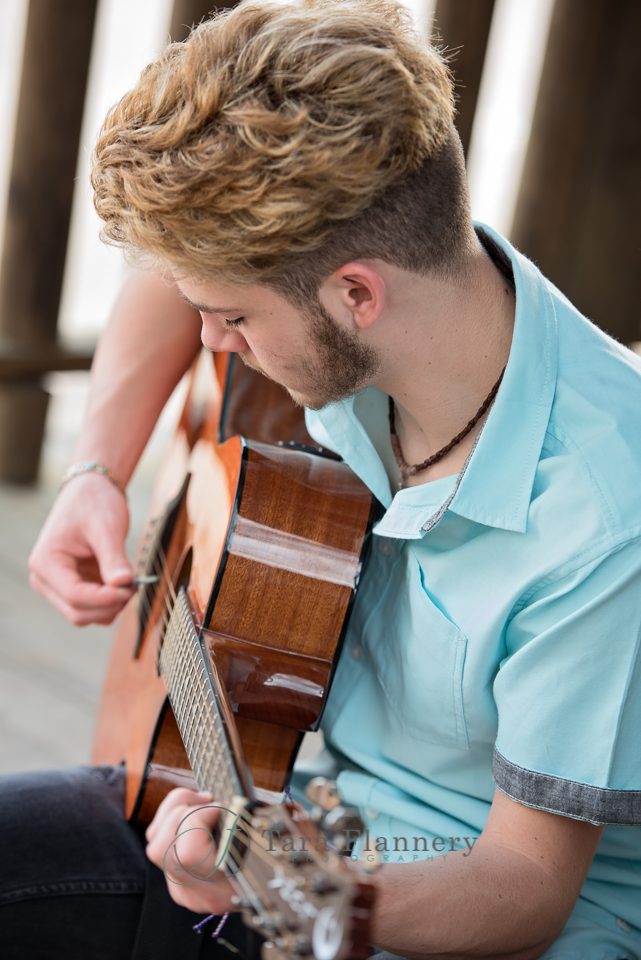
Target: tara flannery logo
410,849
388,848
221,846
217,857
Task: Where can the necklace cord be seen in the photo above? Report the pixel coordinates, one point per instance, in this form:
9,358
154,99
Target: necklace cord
410,469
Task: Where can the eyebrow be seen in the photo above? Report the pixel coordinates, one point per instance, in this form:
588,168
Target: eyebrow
207,309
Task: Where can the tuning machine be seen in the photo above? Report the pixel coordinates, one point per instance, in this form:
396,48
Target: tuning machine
322,793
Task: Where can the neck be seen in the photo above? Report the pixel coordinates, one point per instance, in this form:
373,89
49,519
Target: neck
450,343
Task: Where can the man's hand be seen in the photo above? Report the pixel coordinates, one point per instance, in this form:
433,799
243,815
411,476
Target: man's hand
180,843
79,562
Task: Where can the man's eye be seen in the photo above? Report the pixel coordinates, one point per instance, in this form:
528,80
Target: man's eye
235,322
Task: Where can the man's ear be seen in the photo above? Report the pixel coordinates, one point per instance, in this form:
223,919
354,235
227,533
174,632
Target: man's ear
356,288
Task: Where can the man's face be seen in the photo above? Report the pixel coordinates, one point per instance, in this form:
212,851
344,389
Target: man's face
313,356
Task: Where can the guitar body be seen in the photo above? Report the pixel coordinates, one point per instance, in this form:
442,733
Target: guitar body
267,542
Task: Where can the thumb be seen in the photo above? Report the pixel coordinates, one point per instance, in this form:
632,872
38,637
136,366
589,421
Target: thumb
115,569
106,534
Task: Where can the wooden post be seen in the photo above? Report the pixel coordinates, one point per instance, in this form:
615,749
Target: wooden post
52,91
579,207
464,27
188,13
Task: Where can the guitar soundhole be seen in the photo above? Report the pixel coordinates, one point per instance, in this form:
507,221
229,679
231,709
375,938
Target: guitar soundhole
182,580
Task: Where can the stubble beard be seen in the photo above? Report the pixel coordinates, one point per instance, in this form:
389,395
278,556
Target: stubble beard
342,364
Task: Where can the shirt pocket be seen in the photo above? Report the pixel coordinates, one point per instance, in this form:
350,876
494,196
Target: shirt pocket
418,655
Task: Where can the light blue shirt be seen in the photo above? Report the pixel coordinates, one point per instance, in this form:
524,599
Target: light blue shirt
495,638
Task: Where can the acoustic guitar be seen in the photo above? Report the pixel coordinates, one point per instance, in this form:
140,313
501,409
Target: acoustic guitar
247,572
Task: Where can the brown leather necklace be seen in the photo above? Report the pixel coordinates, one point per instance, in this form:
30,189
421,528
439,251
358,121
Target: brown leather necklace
410,469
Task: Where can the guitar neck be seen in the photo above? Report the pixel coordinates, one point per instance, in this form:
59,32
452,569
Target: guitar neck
197,707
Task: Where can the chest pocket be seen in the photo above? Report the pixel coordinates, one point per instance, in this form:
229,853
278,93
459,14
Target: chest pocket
416,652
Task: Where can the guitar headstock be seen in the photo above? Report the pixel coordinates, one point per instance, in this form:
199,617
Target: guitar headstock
305,897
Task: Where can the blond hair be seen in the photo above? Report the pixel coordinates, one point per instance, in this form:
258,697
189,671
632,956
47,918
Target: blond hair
281,137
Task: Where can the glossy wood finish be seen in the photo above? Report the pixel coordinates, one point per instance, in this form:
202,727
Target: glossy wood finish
260,409
267,542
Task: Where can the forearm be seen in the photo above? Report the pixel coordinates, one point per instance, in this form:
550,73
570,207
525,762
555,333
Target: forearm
487,903
149,343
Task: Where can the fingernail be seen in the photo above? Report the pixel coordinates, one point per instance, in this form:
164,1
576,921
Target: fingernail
120,573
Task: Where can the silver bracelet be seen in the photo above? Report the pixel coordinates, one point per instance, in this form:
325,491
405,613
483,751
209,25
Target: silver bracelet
90,466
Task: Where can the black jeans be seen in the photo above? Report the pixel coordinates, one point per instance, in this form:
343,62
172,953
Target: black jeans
75,882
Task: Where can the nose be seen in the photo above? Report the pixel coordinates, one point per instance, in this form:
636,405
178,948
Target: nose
222,341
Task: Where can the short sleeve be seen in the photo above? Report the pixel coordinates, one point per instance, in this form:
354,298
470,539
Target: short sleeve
568,694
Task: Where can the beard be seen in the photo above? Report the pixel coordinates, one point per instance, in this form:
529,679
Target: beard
339,365
336,367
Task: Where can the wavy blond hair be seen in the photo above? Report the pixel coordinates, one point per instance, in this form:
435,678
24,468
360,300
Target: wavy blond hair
282,138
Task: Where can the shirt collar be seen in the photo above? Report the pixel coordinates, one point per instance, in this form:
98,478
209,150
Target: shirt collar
494,486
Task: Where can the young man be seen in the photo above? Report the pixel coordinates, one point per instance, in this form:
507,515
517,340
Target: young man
291,174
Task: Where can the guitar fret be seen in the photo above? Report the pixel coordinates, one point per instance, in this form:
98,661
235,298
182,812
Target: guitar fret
195,707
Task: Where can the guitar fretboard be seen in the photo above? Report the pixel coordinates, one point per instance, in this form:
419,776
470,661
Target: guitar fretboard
193,700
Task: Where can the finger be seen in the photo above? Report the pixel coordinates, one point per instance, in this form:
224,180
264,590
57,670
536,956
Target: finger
62,577
115,568
80,618
182,839
41,585
196,887
160,845
179,797
211,900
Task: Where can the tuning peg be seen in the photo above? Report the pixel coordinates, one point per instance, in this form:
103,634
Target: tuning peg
239,901
323,793
295,945
344,825
322,883
302,946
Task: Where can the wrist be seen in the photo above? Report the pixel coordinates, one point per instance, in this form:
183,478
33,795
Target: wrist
83,467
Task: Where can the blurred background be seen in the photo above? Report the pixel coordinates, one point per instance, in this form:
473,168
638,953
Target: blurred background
549,97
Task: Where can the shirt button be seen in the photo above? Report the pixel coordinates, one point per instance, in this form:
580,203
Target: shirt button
386,548
357,651
624,926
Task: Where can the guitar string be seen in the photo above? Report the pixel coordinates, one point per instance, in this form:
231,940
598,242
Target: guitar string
248,834
242,875
160,568
165,581
238,879
261,852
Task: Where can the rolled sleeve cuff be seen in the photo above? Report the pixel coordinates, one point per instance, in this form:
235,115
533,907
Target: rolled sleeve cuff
569,798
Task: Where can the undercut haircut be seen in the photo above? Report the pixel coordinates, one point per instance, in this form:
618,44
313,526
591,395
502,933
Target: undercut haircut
282,140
